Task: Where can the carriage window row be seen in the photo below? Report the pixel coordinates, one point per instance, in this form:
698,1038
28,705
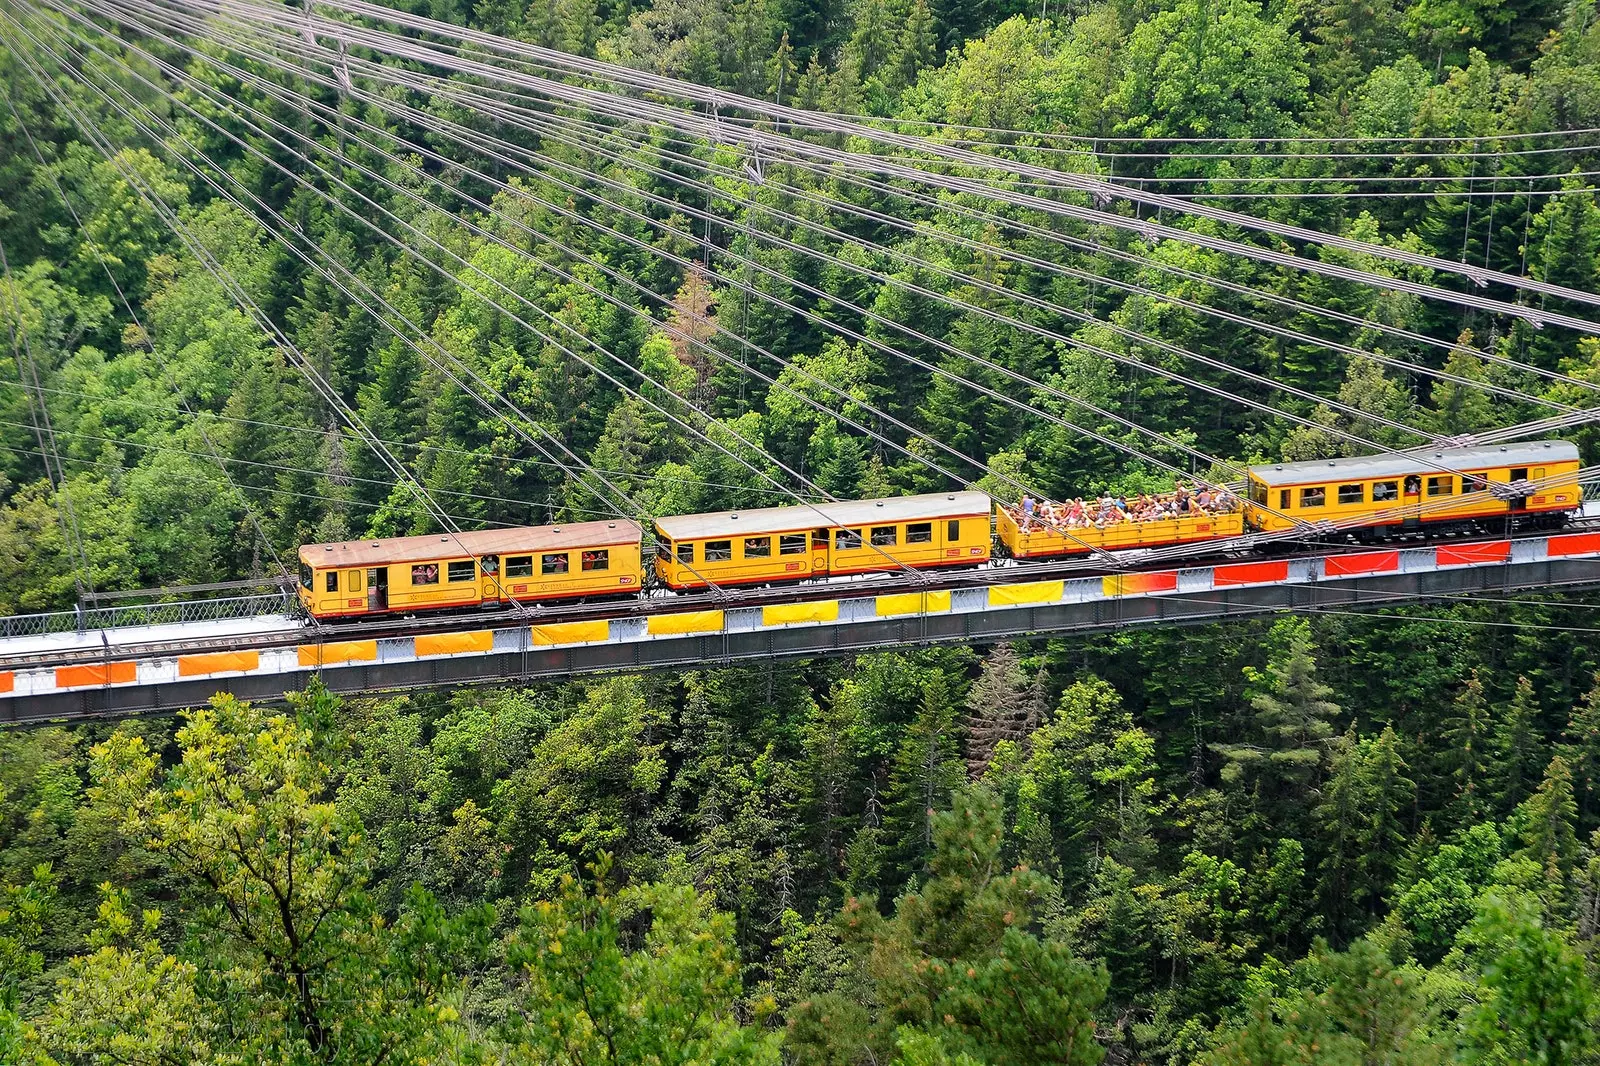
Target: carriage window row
721,551
1383,491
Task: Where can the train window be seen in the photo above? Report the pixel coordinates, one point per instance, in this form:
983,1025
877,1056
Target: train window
519,566
664,550
305,576
425,574
819,540
1474,483
1385,490
686,553
792,544
1283,500
1441,486
1258,493
919,533
1313,497
954,532
1519,473
1413,485
719,551
553,563
599,559
1352,494
885,536
465,570
846,539
757,547
330,582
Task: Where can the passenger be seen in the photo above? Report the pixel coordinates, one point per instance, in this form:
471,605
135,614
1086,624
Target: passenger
1027,512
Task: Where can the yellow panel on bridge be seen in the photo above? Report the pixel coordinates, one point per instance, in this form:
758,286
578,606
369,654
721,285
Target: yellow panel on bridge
1031,592
691,622
571,633
782,614
914,603
343,651
455,643
224,662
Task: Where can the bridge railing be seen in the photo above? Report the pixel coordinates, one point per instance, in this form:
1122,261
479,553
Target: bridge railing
146,614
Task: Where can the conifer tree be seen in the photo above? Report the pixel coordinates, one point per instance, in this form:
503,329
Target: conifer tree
927,767
1387,793
1582,750
1545,825
1518,741
1468,752
1000,706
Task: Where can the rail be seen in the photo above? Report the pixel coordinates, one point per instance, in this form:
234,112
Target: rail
87,619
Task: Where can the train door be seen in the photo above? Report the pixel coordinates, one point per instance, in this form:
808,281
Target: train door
489,579
378,589
1519,473
819,551
354,587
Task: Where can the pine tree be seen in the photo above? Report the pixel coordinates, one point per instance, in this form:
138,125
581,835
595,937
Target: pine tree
1469,752
1545,824
1000,706
1293,721
782,72
1519,742
916,48
1582,752
927,767
1386,794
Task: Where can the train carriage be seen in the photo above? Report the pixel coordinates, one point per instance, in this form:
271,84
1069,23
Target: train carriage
773,544
355,578
1034,538
1533,483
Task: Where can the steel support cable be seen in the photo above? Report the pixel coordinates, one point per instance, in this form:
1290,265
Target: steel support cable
229,284
1098,279
520,607
632,114
133,316
715,99
1275,411
844,395
44,433
916,574
887,555
1086,318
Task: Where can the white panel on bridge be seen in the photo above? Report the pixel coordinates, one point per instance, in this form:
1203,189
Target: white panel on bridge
858,610
159,672
1414,560
1534,550
396,649
1302,571
1200,579
513,640
1083,589
969,599
742,619
629,628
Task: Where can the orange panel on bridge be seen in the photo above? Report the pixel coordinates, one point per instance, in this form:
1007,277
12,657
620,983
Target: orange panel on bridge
98,674
1494,551
222,662
1361,563
1139,584
345,651
8,681
1250,573
455,643
1575,544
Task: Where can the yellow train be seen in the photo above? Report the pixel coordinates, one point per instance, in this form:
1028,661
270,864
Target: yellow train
1533,484
484,568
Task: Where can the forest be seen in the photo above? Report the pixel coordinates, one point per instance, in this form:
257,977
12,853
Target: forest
1343,839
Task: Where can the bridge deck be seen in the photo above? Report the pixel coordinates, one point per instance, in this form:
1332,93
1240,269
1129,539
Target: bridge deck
992,605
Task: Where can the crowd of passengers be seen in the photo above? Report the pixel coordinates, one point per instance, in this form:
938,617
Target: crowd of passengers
1108,510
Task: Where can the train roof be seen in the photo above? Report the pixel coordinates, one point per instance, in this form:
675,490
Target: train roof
843,513
1416,461
510,541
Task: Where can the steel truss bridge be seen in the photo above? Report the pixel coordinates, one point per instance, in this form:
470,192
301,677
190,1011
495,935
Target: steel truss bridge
153,665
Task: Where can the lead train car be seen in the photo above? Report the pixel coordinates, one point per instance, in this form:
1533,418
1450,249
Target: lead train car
401,575
773,544
1535,483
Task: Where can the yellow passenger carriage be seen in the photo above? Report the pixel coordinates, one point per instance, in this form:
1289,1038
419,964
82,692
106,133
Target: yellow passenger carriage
793,543
488,567
1534,482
